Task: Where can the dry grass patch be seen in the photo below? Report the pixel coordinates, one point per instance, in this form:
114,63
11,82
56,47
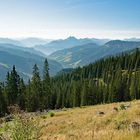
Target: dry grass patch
87,123
117,121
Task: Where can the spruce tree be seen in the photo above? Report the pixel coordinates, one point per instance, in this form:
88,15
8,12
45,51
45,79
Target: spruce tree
84,94
36,89
46,94
22,94
3,106
12,86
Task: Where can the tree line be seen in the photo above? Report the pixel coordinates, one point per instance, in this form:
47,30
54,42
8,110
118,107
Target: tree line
30,97
112,79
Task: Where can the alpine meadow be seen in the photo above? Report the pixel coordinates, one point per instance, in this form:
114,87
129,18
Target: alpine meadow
69,70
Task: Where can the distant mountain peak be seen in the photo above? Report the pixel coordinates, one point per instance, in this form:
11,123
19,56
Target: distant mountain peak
71,38
112,42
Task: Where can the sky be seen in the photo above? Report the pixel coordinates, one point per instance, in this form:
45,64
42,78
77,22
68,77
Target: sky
53,19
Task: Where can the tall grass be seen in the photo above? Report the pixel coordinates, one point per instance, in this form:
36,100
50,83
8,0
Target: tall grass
22,127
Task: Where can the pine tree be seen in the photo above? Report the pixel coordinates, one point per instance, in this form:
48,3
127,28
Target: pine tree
22,94
133,88
28,97
3,106
12,86
46,94
84,94
36,89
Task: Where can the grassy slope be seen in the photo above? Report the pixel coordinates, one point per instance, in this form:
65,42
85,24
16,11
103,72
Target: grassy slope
85,123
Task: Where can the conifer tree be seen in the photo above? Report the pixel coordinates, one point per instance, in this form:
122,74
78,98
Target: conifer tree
28,97
22,94
36,89
12,86
46,95
84,94
3,105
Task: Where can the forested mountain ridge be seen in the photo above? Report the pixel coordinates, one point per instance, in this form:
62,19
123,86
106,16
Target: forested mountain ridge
76,56
20,50
72,52
85,54
122,44
24,59
112,79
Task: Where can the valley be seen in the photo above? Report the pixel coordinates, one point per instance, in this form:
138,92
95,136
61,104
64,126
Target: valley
65,53
70,70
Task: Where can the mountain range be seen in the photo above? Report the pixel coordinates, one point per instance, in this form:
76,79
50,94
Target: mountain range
26,42
24,59
89,53
61,54
33,41
70,42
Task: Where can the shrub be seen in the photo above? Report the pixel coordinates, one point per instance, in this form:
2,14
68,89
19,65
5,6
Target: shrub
64,109
51,114
83,106
14,109
44,116
23,127
121,124
122,107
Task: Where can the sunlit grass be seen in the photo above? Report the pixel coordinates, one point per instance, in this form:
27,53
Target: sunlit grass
85,123
99,122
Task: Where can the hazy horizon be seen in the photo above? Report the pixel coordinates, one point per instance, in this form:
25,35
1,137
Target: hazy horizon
54,19
66,37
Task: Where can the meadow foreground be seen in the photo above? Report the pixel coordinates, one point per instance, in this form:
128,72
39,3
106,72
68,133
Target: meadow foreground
117,121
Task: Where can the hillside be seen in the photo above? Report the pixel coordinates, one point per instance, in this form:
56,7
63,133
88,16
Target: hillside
10,41
27,42
33,41
76,56
87,123
70,42
4,68
24,59
89,53
60,44
111,80
20,50
116,121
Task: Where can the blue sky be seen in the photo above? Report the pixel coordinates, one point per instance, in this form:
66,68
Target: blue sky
62,18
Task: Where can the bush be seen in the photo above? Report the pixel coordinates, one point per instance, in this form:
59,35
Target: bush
51,114
44,116
83,106
122,124
122,107
64,109
14,109
23,127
